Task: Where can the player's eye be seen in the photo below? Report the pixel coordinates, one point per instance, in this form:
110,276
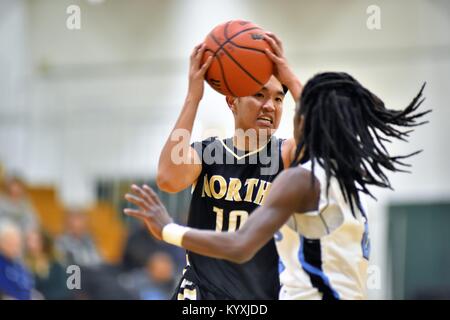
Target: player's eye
259,95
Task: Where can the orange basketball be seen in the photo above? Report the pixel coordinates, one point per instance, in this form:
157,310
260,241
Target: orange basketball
240,67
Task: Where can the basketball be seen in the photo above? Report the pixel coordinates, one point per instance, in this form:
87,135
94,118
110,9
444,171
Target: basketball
240,66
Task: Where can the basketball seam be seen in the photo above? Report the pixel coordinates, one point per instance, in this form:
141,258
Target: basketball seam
238,64
225,31
229,39
247,48
223,76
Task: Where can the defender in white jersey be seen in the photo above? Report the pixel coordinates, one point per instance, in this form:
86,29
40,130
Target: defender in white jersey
314,207
324,254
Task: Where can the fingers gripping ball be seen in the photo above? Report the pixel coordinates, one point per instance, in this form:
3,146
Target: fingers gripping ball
240,66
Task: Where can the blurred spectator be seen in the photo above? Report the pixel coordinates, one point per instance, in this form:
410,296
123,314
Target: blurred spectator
43,261
15,280
15,205
156,280
160,284
76,243
98,280
140,245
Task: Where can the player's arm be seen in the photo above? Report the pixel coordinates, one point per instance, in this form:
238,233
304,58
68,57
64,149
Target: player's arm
288,152
283,71
292,191
287,77
289,146
179,164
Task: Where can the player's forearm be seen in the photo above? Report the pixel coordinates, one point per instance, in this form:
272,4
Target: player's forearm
295,88
172,166
188,113
239,246
220,245
184,125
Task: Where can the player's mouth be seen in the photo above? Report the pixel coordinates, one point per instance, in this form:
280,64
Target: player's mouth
265,121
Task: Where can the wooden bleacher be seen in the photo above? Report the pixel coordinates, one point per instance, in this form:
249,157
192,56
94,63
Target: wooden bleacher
107,229
49,208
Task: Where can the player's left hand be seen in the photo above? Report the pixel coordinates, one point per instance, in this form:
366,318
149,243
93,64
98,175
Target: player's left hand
151,210
282,70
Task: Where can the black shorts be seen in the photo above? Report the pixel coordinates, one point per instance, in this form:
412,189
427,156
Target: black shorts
191,288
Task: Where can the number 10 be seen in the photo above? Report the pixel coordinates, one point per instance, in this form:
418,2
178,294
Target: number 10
232,223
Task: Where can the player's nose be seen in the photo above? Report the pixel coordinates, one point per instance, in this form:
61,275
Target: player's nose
268,106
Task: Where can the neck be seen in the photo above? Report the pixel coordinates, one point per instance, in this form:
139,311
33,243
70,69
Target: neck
249,142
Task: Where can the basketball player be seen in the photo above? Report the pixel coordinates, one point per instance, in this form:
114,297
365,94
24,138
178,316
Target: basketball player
230,179
315,209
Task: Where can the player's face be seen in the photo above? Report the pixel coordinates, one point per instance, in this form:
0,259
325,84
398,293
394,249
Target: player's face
262,111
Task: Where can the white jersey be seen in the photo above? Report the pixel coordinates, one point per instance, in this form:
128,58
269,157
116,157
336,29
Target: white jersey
324,254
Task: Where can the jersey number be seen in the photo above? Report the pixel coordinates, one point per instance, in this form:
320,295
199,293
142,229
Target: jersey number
232,220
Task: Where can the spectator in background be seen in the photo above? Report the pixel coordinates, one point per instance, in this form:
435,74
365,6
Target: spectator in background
160,283
15,280
98,280
76,243
140,245
42,259
155,281
15,205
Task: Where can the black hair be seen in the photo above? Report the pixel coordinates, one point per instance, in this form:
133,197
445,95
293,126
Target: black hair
345,130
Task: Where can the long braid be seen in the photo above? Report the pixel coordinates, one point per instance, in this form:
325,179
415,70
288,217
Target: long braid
346,128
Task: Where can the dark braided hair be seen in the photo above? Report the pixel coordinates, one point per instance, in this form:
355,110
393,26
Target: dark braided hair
346,127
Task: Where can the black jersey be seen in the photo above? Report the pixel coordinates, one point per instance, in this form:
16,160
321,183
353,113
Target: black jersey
230,186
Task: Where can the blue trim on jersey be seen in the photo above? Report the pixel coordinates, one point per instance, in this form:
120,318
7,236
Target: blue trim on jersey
365,242
281,266
278,236
310,269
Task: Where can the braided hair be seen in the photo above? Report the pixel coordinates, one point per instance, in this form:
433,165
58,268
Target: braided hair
345,130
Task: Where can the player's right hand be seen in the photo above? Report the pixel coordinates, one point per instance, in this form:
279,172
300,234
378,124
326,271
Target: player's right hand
151,210
197,73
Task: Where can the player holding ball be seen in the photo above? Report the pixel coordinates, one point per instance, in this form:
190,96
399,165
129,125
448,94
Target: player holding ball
231,177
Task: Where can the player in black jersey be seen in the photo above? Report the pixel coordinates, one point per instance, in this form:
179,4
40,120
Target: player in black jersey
231,178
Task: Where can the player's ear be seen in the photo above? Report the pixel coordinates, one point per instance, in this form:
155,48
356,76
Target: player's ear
231,102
